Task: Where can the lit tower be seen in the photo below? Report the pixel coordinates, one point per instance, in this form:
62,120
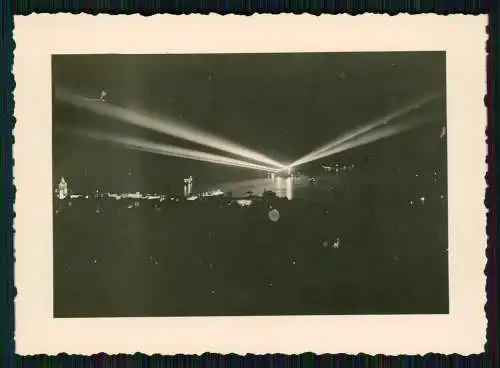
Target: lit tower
188,186
62,189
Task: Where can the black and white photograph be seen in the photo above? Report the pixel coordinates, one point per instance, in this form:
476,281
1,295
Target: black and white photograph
250,184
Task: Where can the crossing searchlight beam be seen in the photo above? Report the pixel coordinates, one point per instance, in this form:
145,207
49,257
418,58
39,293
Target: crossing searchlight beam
173,151
165,126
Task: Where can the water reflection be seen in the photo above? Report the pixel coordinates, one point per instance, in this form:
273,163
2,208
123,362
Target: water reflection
289,188
283,187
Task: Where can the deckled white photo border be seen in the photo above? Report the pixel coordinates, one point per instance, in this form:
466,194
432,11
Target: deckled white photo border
463,38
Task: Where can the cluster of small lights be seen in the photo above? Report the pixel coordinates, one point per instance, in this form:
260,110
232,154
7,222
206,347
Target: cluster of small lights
334,244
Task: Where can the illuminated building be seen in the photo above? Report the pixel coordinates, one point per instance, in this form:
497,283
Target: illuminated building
62,189
188,186
244,202
213,193
136,195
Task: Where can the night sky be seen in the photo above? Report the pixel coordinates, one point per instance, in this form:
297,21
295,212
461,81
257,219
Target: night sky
283,105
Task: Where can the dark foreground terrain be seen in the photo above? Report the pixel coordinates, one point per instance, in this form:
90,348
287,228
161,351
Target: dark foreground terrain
373,247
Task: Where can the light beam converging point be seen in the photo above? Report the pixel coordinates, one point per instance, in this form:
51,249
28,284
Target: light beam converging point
165,126
173,151
319,152
288,169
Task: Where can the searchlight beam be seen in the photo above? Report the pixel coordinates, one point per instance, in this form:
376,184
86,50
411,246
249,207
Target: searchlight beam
161,125
173,151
